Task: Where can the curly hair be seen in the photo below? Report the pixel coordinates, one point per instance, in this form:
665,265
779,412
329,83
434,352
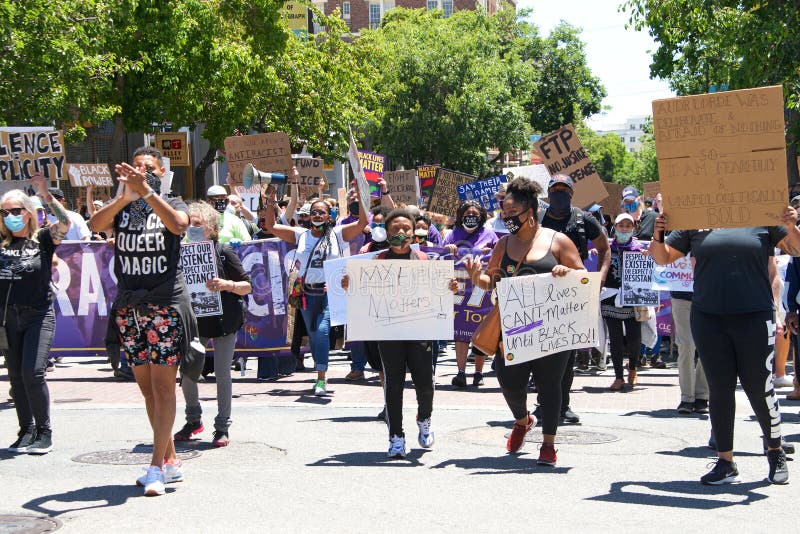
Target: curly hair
526,192
467,204
397,213
148,151
206,213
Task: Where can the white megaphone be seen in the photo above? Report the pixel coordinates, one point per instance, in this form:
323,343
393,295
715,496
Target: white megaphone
251,175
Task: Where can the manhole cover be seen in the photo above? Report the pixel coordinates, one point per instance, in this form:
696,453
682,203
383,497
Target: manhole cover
27,524
64,401
137,456
572,437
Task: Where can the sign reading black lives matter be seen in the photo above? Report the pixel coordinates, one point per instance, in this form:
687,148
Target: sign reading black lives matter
199,265
25,152
637,280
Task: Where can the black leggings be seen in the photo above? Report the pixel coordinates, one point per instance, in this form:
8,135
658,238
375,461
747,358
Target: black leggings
395,356
30,336
547,373
743,346
629,342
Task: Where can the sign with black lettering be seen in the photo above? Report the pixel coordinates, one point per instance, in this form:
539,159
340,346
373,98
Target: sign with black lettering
637,280
83,174
25,152
312,173
426,175
175,146
563,153
199,265
403,186
482,191
444,198
722,158
268,152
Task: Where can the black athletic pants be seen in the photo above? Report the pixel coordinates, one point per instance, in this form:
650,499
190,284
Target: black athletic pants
566,382
395,357
743,346
547,373
629,342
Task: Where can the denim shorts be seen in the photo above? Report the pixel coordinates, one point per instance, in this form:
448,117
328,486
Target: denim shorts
154,337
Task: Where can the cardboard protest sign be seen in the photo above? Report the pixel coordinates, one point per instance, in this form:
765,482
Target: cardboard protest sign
537,173
361,180
637,281
27,151
542,314
199,265
83,174
268,152
373,165
399,300
444,198
650,190
677,276
563,153
482,191
426,174
341,199
175,146
612,205
312,173
722,158
249,196
403,186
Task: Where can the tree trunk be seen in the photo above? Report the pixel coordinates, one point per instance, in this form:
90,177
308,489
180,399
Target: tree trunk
200,172
117,150
792,141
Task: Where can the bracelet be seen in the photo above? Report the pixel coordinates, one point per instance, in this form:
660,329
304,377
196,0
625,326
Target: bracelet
148,195
385,192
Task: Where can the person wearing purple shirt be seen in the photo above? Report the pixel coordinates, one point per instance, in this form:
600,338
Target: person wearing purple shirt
469,233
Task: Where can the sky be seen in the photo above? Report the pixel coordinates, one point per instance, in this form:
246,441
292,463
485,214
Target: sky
617,56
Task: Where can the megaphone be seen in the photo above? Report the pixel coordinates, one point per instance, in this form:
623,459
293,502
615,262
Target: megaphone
251,175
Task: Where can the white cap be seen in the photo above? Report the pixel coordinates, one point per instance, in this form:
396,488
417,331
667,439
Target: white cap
216,190
305,209
37,203
98,203
624,216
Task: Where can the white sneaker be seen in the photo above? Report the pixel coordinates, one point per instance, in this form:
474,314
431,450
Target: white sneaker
425,436
154,481
397,447
172,473
320,388
783,382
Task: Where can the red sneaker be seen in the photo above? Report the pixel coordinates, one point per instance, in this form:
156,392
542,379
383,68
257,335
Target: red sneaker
517,438
188,430
547,454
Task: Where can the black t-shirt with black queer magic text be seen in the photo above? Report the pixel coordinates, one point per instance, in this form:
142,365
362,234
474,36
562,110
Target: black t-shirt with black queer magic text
27,267
146,254
730,272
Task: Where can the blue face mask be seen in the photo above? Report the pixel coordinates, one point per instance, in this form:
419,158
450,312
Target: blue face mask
623,237
631,207
334,213
195,233
376,225
14,222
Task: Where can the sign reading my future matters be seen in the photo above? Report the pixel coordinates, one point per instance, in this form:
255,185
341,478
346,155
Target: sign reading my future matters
722,158
24,152
542,314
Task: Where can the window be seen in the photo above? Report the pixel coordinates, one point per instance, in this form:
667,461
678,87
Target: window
432,4
346,10
447,6
374,15
632,139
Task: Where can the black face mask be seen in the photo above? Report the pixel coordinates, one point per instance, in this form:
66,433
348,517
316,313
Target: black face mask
560,203
220,205
154,182
470,222
353,208
379,245
513,224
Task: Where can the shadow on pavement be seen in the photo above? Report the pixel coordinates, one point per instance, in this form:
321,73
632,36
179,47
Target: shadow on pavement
370,459
111,495
702,452
683,494
501,465
350,419
666,413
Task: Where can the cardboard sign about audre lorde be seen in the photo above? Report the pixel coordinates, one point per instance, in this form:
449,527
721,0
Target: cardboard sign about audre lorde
722,158
199,265
23,153
399,300
542,314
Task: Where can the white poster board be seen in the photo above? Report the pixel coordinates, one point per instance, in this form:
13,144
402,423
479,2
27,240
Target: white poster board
677,276
199,265
358,173
390,300
637,280
542,314
337,296
536,173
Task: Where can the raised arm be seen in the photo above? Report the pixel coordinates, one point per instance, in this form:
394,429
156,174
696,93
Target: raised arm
59,229
791,243
386,197
352,230
294,194
662,253
286,233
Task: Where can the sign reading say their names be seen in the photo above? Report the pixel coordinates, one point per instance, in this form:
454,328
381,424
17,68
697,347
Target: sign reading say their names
542,314
84,174
482,191
563,153
27,151
444,197
268,152
389,300
199,265
637,280
722,158
403,186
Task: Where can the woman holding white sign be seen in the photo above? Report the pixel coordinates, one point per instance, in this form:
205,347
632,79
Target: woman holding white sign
529,249
323,241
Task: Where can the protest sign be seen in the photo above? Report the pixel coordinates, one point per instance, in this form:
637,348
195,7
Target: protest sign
84,174
637,280
650,190
390,300
482,191
341,199
175,146
563,153
27,151
677,276
444,198
249,195
199,265
612,205
403,186
722,158
358,172
268,152
542,314
426,175
664,316
373,165
537,173
337,296
312,173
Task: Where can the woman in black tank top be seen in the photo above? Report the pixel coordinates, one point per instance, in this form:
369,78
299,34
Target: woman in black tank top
529,249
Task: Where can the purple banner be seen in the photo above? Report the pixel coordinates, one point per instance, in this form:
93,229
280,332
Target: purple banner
664,315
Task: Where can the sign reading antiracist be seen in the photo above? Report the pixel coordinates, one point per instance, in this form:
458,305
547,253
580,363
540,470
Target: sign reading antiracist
25,152
268,152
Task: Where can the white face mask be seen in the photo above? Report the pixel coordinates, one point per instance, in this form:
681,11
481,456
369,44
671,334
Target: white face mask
379,234
230,209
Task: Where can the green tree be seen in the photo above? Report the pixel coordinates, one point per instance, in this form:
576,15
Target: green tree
607,152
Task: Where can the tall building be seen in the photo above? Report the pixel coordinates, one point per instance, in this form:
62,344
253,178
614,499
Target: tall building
631,132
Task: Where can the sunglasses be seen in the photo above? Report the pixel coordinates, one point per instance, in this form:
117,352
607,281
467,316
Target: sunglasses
12,211
318,212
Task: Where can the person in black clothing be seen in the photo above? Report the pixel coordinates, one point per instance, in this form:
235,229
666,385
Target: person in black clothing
26,268
581,227
733,324
537,250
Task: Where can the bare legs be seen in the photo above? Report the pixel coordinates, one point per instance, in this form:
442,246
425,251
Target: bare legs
157,384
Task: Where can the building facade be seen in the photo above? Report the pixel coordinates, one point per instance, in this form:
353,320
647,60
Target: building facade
631,132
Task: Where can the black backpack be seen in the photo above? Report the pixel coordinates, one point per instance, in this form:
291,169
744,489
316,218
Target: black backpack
576,220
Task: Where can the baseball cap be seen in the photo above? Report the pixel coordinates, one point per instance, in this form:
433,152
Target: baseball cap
630,192
98,203
37,204
305,209
795,202
623,216
215,191
561,179
56,192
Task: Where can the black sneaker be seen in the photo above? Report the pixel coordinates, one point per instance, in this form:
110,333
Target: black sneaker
382,415
778,472
685,407
788,448
477,379
42,444
460,380
188,430
24,440
724,472
568,416
700,406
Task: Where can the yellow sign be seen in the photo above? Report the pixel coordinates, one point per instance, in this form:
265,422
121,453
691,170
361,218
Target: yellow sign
297,15
175,146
